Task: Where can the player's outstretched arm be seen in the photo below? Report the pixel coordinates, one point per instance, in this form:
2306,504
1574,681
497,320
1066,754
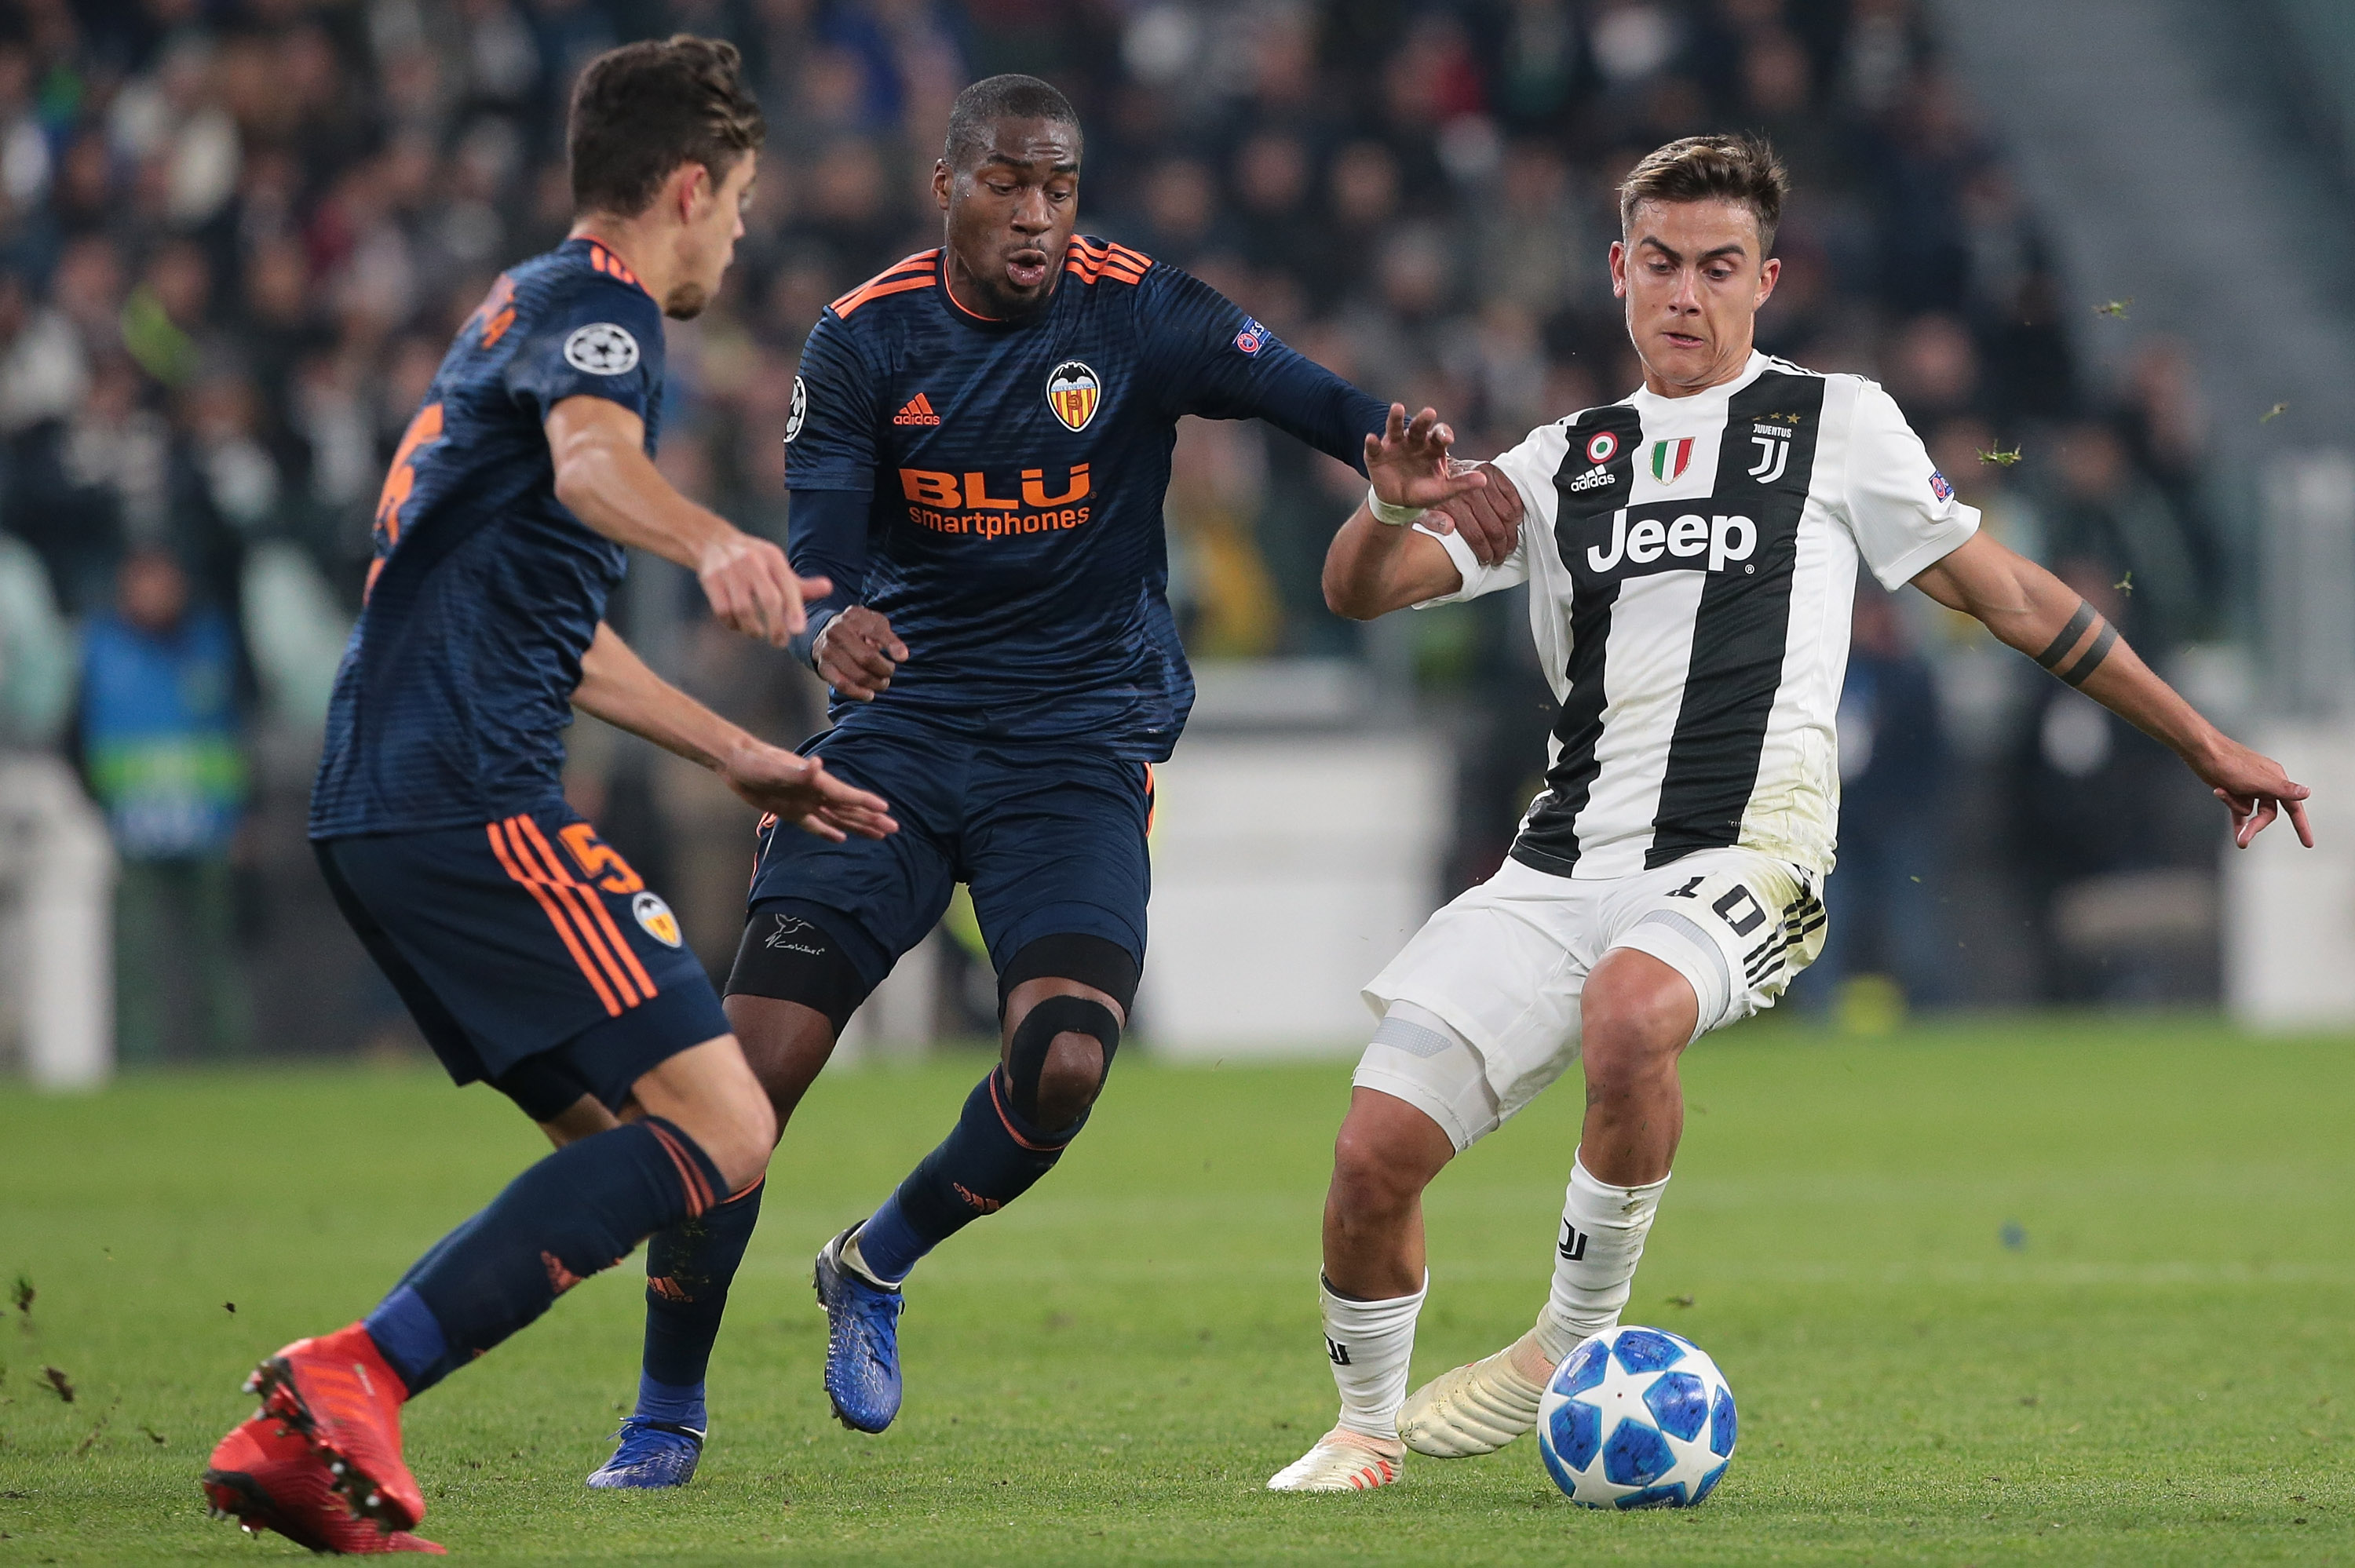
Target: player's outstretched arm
616,686
1377,563
2036,613
604,477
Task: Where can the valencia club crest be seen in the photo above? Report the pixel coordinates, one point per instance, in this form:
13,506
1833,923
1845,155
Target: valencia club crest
1072,392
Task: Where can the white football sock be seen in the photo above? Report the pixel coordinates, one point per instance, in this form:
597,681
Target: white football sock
1603,1231
1370,1343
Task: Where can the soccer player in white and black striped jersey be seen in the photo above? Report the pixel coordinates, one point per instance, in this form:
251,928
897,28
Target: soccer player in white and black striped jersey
1691,552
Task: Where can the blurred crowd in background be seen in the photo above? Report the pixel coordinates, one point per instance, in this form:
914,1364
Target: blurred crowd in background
237,235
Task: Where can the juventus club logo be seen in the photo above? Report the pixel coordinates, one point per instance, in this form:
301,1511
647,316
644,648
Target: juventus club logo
1774,444
1338,1351
1572,1245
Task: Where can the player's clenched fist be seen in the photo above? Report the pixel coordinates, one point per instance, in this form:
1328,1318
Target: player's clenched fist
752,589
856,654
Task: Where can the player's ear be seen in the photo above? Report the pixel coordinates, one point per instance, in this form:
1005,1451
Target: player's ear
942,181
1619,268
1769,271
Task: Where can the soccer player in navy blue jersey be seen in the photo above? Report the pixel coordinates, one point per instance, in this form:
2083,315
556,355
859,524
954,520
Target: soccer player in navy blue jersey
977,450
529,952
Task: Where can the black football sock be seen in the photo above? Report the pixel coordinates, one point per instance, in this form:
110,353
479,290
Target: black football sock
992,1157
577,1212
688,1269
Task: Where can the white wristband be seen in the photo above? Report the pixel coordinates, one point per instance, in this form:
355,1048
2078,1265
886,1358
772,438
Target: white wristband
1395,517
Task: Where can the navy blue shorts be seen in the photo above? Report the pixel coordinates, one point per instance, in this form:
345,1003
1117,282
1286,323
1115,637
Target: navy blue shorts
528,952
1049,838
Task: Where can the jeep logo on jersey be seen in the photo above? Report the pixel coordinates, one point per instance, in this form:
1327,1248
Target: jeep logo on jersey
1642,541
601,348
1072,392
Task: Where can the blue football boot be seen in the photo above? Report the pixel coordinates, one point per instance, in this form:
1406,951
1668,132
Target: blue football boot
653,1455
862,1342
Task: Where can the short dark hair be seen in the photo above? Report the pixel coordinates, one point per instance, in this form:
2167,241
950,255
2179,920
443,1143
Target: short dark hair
1741,169
643,110
1010,97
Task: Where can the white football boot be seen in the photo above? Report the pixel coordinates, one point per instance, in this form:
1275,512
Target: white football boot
1341,1462
1478,1408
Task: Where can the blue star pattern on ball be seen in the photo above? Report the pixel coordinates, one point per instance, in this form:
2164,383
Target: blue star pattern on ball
1636,1417
1678,1403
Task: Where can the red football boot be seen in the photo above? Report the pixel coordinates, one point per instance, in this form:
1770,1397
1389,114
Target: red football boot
264,1476
339,1393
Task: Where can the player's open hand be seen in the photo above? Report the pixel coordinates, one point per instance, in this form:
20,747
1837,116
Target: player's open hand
1408,462
2256,790
800,791
1488,518
752,589
856,654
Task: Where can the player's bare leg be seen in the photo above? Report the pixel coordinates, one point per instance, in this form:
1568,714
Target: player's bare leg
1386,1153
1638,1016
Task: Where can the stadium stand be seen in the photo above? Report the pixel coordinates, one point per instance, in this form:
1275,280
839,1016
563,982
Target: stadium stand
235,235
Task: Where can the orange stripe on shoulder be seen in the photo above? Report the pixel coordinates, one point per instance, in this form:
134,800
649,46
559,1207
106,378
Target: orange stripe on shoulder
605,261
915,272
1093,261
849,303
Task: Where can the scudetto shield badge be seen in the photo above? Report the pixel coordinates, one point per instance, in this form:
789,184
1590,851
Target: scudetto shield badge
1072,392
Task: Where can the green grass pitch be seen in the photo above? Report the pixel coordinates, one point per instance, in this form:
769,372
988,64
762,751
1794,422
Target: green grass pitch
2157,1368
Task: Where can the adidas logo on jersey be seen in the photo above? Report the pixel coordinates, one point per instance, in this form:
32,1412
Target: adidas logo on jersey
919,411
1593,479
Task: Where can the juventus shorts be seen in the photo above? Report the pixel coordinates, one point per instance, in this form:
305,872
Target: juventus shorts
1499,971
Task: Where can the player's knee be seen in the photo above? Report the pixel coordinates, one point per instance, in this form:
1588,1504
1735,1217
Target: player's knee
739,1138
1070,1079
1057,1059
1374,1179
1637,1015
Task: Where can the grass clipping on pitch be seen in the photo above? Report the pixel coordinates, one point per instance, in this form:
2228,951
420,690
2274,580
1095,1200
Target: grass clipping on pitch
2065,1292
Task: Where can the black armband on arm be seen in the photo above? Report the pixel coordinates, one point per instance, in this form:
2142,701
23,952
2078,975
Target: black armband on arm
2091,661
2075,673
2069,635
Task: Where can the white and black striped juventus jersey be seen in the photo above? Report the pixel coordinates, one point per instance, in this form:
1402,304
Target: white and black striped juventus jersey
1691,562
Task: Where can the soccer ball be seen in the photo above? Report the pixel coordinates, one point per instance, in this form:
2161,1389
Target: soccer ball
1636,1418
